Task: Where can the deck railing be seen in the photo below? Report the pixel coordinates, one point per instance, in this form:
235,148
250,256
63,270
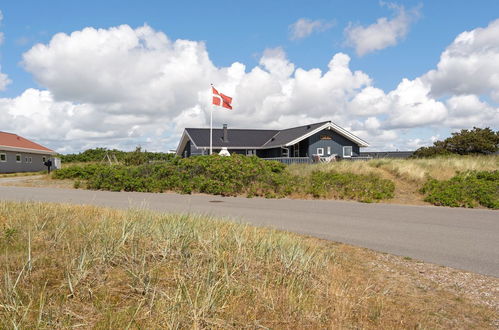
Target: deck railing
292,160
308,160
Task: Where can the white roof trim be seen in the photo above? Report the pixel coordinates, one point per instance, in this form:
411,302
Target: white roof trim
336,128
28,150
182,144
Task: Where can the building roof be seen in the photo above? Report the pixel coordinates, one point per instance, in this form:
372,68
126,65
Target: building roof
245,138
260,138
283,137
14,142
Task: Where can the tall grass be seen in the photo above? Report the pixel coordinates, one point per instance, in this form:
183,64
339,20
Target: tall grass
411,170
71,266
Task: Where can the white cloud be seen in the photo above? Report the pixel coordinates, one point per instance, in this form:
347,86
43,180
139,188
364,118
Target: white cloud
470,65
411,106
382,34
4,80
466,111
304,27
122,87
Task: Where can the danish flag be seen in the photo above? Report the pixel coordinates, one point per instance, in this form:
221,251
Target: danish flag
221,99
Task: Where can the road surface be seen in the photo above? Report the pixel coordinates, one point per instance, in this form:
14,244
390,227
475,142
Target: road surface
461,238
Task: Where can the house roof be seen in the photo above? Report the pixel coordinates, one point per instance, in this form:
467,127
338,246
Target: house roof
260,138
14,142
283,137
246,138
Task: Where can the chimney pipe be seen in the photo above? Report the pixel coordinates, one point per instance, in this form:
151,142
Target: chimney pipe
226,134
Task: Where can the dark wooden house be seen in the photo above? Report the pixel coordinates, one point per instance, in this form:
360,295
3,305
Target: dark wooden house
323,139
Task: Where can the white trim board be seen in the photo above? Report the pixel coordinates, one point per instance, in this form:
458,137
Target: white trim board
337,129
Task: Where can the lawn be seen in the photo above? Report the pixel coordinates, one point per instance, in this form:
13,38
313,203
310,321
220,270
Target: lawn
76,266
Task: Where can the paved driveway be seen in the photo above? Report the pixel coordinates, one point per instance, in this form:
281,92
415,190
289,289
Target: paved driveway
460,238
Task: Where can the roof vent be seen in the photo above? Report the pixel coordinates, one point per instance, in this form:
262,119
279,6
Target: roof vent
308,126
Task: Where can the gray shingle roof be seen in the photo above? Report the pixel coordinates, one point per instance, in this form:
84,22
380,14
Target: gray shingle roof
260,138
287,135
246,138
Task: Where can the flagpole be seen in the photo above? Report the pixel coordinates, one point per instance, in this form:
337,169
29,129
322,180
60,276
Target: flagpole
211,129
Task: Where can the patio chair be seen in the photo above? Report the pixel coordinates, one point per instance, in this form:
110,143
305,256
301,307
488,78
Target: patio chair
328,159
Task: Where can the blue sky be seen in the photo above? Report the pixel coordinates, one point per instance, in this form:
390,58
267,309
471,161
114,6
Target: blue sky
243,32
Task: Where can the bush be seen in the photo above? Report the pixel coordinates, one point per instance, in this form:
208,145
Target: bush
227,176
136,157
365,188
467,189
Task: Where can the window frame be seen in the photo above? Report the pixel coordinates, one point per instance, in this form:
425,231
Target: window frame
329,150
44,159
20,158
4,157
321,152
351,151
30,160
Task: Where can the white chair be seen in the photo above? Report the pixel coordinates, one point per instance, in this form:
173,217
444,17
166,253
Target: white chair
328,159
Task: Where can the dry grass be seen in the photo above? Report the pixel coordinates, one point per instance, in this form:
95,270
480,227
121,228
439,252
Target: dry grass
73,266
408,174
20,174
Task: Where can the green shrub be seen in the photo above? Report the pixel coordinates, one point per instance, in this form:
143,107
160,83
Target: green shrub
228,176
365,188
467,189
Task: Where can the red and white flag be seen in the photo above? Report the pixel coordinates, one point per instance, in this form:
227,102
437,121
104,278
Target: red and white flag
221,99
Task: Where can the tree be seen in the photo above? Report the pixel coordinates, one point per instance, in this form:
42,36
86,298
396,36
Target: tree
465,142
475,141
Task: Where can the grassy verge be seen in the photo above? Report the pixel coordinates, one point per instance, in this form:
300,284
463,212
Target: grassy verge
411,175
67,266
467,189
20,174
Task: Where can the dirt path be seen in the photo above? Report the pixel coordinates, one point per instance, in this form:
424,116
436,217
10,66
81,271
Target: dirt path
406,192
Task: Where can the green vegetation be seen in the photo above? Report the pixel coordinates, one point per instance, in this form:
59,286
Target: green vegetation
465,142
226,176
84,267
467,189
365,188
136,157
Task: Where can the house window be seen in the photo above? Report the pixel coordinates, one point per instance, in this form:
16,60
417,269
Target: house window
3,157
19,158
44,159
30,160
347,151
320,151
328,150
250,152
26,160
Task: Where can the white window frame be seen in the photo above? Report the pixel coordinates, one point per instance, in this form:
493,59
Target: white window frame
329,150
351,152
20,158
30,159
44,159
320,151
4,156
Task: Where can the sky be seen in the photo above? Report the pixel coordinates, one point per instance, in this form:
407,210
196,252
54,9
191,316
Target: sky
119,74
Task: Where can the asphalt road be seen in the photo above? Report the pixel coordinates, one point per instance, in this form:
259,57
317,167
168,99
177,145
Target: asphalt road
460,238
